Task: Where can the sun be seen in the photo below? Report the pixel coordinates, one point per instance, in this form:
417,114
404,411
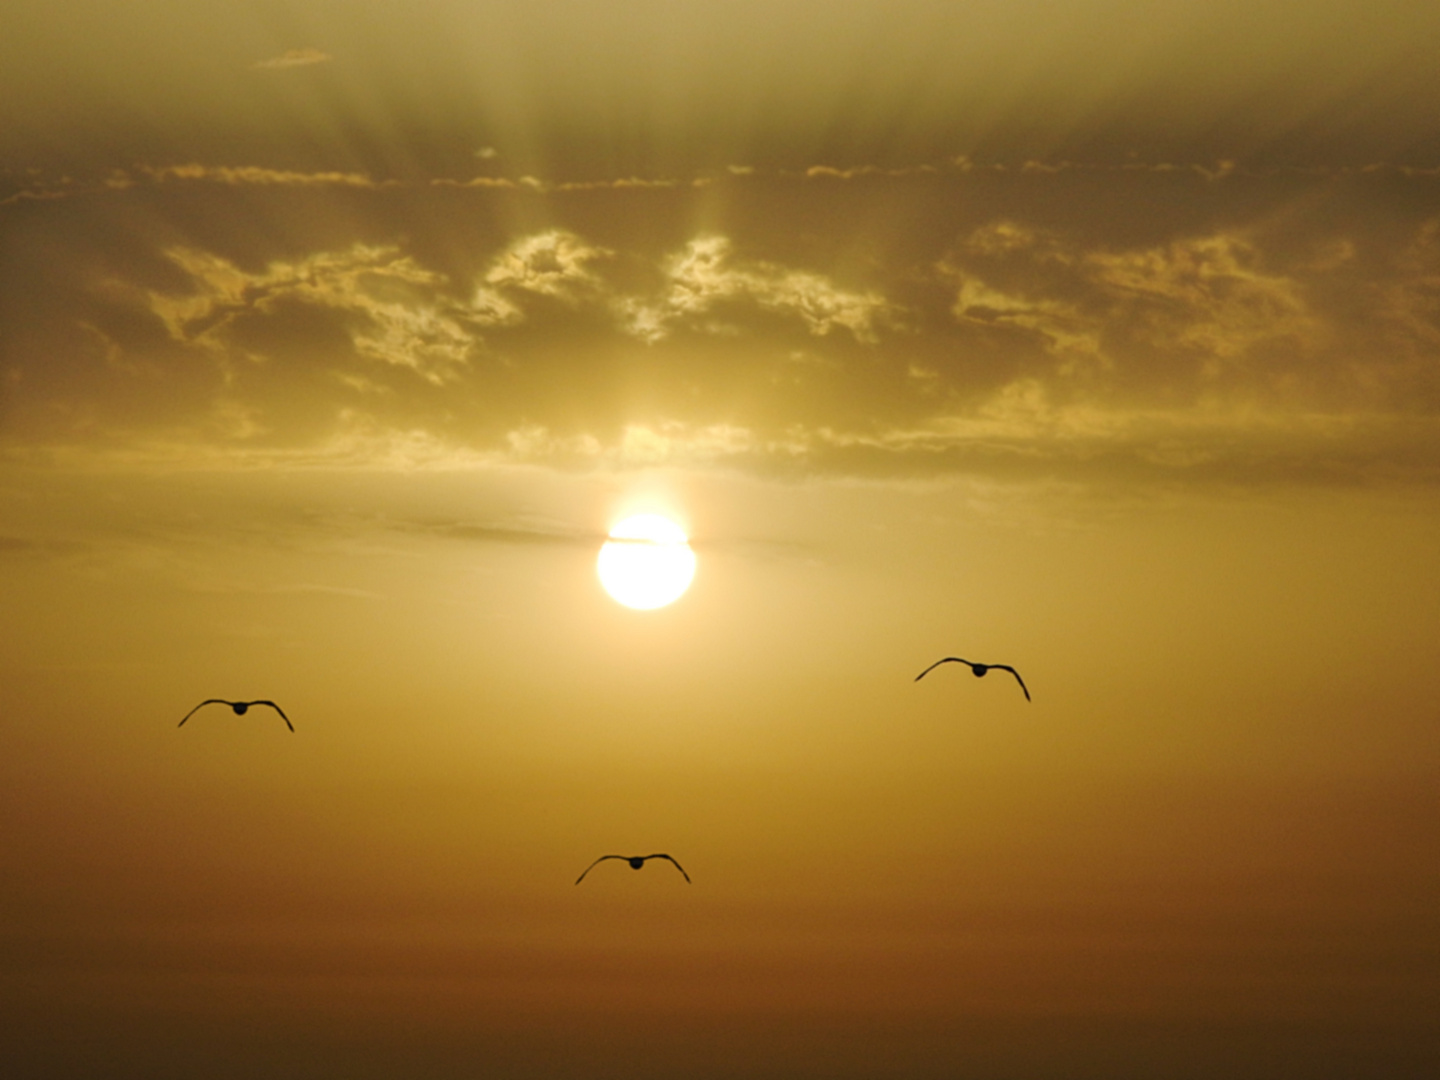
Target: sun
647,562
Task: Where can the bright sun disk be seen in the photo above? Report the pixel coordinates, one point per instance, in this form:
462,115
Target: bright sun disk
647,562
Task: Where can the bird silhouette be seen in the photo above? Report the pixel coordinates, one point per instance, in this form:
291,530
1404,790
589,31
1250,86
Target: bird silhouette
978,669
635,861
239,706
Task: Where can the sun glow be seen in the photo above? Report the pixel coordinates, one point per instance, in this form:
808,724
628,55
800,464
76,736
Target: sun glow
647,562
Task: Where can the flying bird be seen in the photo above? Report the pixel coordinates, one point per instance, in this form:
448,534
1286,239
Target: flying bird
978,669
635,861
239,706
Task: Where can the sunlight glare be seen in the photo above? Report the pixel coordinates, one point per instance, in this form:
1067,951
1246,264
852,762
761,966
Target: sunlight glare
647,562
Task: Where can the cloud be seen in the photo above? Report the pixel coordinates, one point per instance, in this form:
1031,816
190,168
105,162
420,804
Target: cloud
1200,308
252,174
669,443
505,532
295,58
38,187
1021,432
624,183
1413,301
1209,295
1066,332
537,186
483,183
37,195
553,263
399,315
705,276
829,172
1142,320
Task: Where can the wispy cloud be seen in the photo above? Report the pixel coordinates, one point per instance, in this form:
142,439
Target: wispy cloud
115,179
295,58
706,275
400,313
23,545
237,175
1208,301
538,186
507,532
551,263
35,195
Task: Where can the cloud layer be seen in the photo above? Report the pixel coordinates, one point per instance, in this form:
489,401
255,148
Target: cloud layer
1161,321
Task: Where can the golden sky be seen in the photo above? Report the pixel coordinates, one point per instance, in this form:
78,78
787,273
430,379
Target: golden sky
1097,338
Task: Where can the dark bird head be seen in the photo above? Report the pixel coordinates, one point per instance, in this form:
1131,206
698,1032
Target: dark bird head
979,669
635,862
240,707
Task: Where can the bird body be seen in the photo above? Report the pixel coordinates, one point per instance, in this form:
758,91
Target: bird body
977,669
635,861
239,707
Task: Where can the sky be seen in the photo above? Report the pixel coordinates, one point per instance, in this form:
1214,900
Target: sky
1097,338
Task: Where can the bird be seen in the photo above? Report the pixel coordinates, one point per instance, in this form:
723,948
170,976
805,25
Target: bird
978,669
239,707
635,861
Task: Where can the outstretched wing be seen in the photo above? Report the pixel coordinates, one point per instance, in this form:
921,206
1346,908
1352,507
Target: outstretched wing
672,859
207,701
937,663
277,709
596,863
1012,671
